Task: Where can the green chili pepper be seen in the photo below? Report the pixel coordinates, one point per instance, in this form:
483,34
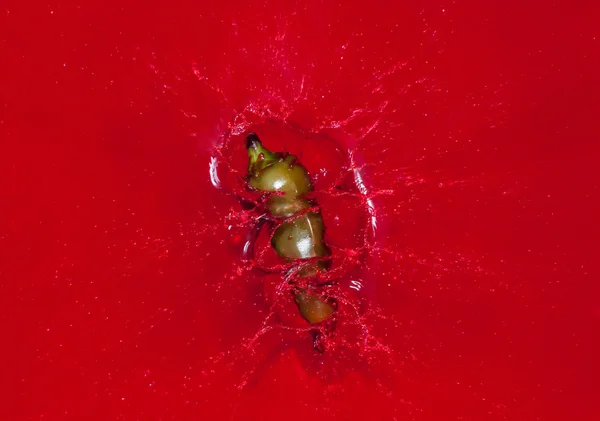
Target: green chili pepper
313,308
300,234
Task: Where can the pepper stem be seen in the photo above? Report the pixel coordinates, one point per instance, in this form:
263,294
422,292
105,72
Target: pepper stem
260,157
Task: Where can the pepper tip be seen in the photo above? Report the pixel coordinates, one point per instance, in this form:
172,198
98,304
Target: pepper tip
252,140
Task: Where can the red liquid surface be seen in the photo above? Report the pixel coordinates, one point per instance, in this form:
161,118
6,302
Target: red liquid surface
124,292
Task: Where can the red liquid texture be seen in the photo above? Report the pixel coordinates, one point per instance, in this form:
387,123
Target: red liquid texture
463,137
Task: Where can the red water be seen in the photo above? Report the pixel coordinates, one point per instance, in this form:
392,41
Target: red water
472,127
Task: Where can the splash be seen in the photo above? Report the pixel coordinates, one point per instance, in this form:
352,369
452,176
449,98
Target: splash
351,222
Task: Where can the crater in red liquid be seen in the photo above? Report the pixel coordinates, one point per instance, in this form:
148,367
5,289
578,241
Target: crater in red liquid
342,197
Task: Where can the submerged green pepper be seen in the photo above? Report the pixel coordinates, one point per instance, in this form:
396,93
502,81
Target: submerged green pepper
313,308
272,172
300,234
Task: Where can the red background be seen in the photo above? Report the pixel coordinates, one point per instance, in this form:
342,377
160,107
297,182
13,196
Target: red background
117,299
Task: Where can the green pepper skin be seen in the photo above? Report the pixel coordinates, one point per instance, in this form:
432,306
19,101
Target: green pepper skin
299,236
286,207
312,308
283,176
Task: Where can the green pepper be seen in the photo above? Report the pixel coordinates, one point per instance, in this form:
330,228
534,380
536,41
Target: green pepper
272,172
299,235
313,308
